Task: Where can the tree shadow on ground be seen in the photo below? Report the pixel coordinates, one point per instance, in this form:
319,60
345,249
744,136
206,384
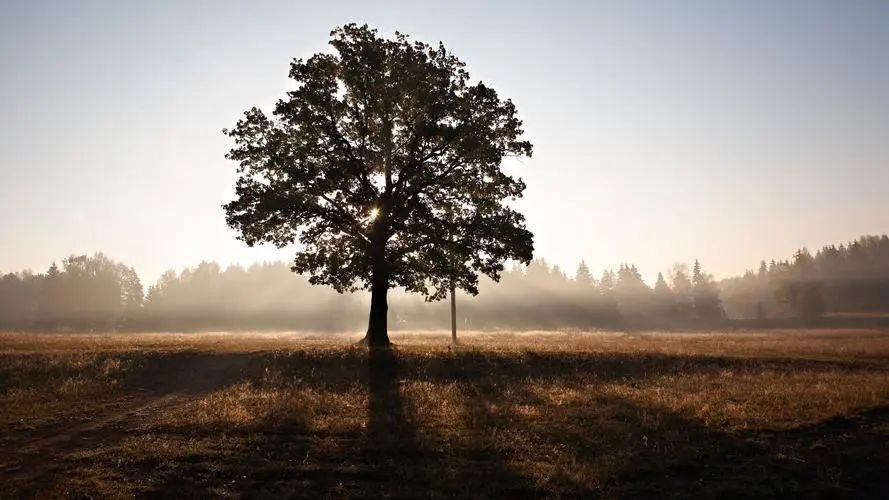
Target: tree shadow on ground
388,459
407,462
507,439
607,448
687,459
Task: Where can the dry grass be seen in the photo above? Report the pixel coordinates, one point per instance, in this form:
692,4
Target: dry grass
556,414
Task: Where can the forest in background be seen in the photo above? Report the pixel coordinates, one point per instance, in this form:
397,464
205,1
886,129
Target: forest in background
96,293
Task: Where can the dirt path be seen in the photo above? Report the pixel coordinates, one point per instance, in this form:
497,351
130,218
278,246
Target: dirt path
34,458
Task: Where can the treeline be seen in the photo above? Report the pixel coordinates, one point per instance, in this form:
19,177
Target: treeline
851,278
87,293
543,296
95,293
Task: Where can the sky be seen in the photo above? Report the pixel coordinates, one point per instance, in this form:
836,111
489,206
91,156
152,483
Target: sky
724,131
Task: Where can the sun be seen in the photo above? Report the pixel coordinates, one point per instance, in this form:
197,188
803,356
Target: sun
374,212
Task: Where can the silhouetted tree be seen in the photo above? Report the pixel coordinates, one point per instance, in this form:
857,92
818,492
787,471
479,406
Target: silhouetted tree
582,276
610,308
683,291
801,286
133,294
51,298
706,295
19,294
633,295
665,300
384,163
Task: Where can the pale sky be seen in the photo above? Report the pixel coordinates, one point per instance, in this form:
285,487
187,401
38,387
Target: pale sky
728,131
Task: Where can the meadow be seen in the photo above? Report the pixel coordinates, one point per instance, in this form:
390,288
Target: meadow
536,414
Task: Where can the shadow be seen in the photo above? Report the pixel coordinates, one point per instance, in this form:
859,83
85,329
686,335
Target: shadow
497,436
859,321
838,458
391,447
467,366
387,427
45,457
398,456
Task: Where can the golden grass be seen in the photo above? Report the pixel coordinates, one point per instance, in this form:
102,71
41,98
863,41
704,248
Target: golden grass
510,414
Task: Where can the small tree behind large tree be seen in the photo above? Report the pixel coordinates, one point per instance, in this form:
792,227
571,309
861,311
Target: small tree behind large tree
384,165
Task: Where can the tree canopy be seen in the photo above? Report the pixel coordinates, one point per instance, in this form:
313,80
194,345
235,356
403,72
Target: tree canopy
384,164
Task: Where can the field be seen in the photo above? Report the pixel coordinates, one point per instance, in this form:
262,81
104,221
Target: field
567,414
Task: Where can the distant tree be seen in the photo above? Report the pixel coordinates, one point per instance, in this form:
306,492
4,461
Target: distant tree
633,295
682,291
661,286
706,295
582,276
697,275
800,286
606,284
384,163
132,293
609,308
19,294
51,298
665,300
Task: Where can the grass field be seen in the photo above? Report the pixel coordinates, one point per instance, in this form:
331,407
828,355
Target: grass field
779,413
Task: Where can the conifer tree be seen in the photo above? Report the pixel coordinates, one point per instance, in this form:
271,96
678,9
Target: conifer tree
706,296
582,276
665,300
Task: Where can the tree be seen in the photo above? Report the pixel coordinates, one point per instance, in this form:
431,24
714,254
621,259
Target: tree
132,293
682,290
384,164
582,276
800,287
706,296
633,295
665,300
610,309
51,297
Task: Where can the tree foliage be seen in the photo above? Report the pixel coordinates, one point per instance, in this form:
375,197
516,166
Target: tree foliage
384,165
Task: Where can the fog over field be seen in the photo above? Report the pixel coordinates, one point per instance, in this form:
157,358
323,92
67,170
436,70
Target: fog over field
94,293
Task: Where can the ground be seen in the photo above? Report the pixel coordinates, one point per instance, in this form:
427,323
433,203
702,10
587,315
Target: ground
545,414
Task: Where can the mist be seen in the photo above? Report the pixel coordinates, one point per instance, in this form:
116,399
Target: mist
96,293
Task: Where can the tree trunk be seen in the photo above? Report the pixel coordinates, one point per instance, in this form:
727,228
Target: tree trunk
377,328
377,322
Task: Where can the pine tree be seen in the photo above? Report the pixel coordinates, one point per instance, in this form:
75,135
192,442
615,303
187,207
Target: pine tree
697,275
610,308
800,287
583,277
51,300
665,300
706,296
633,295
683,291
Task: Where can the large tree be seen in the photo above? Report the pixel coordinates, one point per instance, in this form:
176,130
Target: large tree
384,165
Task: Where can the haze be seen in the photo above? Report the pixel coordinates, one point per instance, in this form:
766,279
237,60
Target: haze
723,131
